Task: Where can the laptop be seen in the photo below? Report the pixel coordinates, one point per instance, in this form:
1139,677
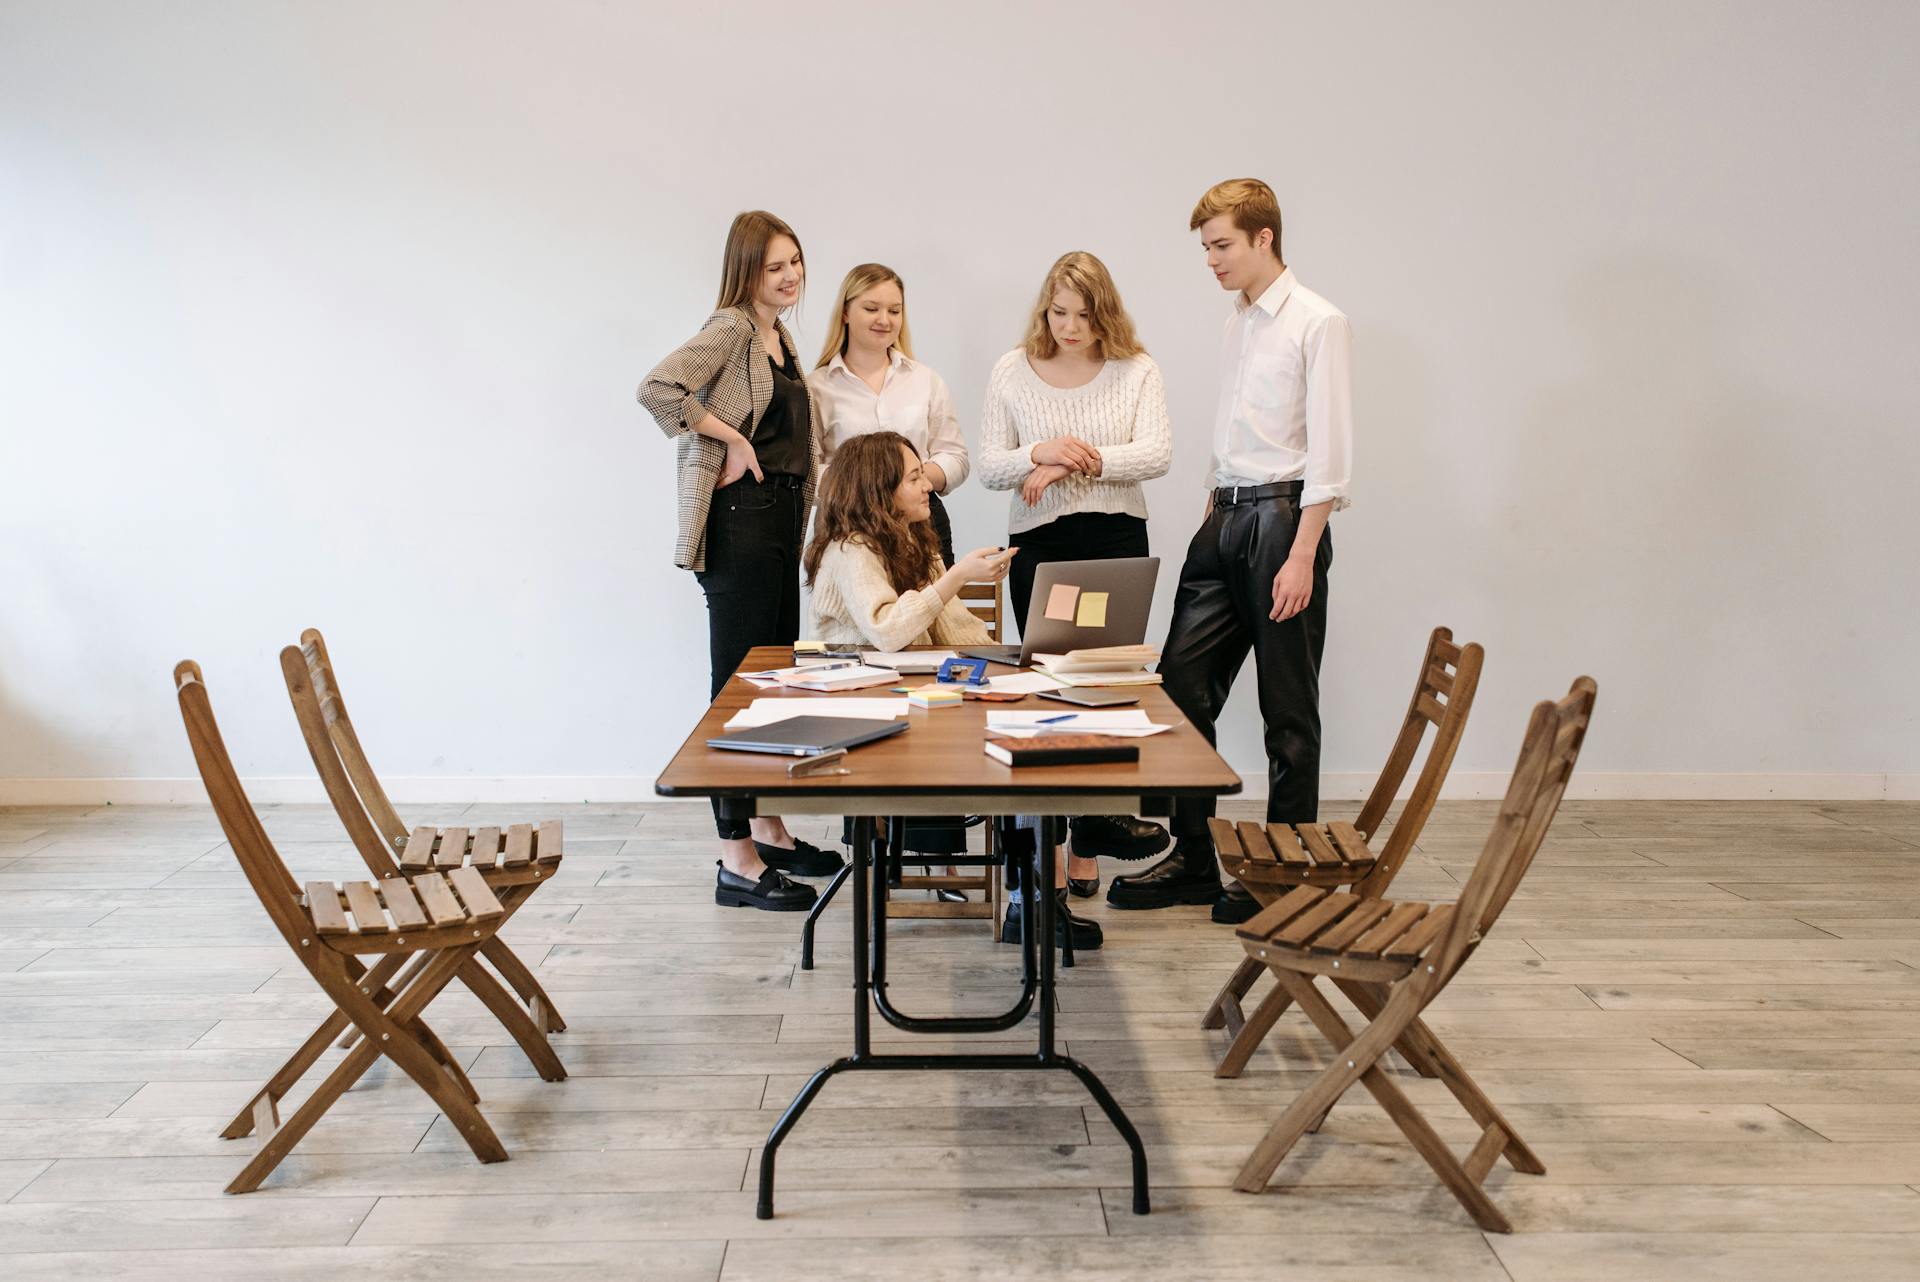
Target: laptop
808,736
1128,583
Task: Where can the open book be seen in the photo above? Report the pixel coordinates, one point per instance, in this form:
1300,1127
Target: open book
1105,665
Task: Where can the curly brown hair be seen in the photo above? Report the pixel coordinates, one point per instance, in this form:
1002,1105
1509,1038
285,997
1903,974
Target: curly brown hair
856,503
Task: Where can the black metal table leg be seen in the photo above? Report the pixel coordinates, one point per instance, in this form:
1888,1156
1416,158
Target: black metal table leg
813,914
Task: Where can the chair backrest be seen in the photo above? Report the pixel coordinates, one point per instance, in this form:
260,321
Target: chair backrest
1555,733
1442,698
266,872
369,817
984,600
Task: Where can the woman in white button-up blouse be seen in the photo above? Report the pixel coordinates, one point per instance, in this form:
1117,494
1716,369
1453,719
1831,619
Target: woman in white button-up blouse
866,380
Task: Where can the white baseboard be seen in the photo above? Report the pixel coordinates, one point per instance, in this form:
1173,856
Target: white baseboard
629,789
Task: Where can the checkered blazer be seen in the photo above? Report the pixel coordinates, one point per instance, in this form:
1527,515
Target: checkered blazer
721,371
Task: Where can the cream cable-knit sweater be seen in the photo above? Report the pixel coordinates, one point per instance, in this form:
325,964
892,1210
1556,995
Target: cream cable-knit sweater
1122,412
855,604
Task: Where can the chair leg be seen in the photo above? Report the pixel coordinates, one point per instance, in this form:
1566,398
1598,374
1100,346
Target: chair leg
381,985
391,1032
516,1019
1481,1109
1225,1012
1253,1031
515,972
1370,1001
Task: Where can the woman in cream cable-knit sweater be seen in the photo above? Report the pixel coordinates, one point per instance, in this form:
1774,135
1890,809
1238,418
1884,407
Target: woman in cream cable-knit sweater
1075,419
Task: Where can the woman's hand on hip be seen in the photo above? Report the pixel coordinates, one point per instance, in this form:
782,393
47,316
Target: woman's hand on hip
740,461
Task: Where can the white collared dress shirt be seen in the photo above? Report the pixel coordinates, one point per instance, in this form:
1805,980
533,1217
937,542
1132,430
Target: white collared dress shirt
1286,395
912,400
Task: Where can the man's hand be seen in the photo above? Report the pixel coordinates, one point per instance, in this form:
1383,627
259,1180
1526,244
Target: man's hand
1292,588
1039,479
740,461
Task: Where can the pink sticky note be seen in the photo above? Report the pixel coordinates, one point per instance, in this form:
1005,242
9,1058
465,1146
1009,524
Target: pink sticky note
1060,602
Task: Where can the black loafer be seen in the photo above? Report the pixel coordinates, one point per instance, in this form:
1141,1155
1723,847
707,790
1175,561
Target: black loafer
1087,935
1084,887
804,860
1117,837
771,893
1190,875
1235,905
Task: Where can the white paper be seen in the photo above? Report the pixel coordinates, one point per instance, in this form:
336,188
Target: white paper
1023,683
764,712
909,660
857,677
1069,727
1127,723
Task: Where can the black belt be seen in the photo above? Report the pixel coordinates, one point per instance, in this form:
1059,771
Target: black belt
1229,495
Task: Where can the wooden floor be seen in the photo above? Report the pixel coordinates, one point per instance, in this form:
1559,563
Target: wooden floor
1705,1017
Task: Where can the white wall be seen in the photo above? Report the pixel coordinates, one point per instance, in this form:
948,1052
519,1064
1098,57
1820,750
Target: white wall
332,314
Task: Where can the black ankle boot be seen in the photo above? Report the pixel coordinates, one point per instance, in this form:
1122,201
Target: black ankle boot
1117,837
1087,935
1189,875
1235,905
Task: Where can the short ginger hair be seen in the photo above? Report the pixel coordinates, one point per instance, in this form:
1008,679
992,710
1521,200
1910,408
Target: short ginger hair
1248,201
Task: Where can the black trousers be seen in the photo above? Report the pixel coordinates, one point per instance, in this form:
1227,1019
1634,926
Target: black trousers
752,582
942,527
1078,536
1220,611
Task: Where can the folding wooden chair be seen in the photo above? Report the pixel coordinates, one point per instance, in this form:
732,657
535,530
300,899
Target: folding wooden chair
444,918
514,863
1272,860
1392,959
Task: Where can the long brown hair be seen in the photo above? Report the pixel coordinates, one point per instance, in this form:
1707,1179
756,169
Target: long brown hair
745,256
856,502
1088,277
859,281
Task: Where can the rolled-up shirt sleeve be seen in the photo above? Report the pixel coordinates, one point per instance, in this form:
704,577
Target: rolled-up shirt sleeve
1329,361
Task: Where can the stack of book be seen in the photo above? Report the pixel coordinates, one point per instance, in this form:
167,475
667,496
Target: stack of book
1113,665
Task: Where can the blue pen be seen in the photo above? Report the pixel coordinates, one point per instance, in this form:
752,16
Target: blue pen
1054,721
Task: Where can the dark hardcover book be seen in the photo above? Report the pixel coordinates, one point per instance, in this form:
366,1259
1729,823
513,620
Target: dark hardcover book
1062,750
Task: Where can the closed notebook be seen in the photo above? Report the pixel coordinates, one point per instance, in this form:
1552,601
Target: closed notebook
1062,750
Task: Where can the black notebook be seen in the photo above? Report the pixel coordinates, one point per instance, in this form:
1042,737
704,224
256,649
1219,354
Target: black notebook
808,736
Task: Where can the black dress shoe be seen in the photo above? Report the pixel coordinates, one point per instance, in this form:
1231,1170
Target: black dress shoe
804,860
1235,905
772,892
1189,875
1084,887
1117,837
1087,935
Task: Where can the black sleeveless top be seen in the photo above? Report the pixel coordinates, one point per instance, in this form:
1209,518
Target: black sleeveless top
783,440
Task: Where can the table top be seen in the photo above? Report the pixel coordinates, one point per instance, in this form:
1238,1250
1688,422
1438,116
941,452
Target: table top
940,754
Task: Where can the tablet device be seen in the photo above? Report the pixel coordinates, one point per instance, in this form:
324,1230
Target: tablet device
808,736
1091,697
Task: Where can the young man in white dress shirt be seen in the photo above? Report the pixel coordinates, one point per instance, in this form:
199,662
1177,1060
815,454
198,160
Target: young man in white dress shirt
1255,577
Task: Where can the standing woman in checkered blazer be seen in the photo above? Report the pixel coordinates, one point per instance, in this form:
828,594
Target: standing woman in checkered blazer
734,398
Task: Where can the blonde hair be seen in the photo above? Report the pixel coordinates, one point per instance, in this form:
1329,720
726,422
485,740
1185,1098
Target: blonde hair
1248,201
859,281
1088,277
745,256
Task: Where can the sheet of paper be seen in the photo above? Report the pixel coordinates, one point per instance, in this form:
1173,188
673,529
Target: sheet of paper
1093,610
1092,721
1022,683
1060,602
1069,727
764,712
908,660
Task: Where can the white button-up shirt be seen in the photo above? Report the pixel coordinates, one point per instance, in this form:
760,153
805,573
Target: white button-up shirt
912,400
1286,396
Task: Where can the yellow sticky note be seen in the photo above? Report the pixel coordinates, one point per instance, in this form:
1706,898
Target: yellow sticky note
1093,610
1060,602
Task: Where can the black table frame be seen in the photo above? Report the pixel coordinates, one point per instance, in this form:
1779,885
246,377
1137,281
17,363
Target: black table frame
868,871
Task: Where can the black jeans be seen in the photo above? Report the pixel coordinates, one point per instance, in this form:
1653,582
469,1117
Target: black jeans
1220,611
752,582
1078,536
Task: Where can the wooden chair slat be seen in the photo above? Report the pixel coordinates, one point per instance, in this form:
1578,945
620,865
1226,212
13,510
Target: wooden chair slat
1430,708
323,902
549,842
1317,918
1365,914
1447,652
1254,842
472,887
1286,848
364,900
1318,847
1278,913
1348,841
406,910
1395,924
453,848
1226,841
418,856
1438,678
519,852
439,902
1416,941
486,847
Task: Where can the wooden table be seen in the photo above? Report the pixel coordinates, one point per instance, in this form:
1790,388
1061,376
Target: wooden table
938,768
